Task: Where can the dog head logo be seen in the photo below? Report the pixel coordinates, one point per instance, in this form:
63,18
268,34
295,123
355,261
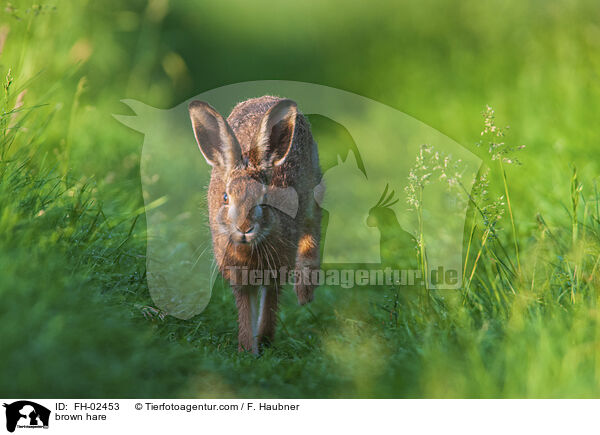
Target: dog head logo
364,223
26,414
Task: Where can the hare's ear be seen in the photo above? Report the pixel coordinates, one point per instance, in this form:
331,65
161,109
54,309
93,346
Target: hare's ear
275,135
214,136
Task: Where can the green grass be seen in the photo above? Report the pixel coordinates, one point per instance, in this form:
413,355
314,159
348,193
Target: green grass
74,320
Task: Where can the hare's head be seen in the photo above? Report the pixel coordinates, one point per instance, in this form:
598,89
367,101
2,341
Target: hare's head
243,204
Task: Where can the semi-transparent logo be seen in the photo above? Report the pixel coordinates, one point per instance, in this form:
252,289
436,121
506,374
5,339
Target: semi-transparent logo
394,194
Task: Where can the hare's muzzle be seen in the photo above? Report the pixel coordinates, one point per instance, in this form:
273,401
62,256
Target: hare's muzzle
245,233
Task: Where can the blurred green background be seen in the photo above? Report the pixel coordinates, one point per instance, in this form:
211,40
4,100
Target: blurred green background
76,318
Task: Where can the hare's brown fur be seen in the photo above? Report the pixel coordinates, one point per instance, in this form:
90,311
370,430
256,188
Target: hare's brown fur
247,172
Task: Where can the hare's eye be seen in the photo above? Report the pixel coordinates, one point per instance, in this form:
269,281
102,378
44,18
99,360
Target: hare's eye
225,198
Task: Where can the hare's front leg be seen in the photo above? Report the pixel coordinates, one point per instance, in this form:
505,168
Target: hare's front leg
247,305
308,256
269,297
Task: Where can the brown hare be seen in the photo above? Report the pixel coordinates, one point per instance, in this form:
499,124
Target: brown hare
262,212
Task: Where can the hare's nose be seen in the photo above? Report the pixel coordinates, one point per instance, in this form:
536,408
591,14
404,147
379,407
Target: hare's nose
245,231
